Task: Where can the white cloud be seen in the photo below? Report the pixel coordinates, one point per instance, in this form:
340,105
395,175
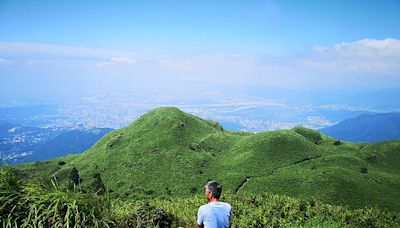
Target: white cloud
180,64
367,56
366,48
123,60
4,61
39,54
366,62
105,64
117,61
40,50
204,61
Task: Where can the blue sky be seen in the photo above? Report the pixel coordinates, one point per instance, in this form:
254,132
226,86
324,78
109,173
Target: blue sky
209,26
65,47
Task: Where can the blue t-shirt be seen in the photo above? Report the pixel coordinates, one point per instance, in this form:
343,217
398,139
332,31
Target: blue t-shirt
215,215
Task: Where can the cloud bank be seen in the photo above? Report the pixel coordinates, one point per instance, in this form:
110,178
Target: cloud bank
366,62
363,56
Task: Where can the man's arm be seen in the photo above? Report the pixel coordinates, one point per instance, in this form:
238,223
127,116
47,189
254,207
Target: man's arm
200,218
230,216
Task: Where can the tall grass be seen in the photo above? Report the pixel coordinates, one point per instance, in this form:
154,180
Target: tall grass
33,205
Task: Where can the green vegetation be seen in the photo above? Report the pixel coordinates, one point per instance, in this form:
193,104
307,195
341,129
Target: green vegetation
29,205
266,210
34,206
165,157
313,136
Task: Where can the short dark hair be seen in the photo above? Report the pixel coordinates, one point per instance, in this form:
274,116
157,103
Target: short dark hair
215,188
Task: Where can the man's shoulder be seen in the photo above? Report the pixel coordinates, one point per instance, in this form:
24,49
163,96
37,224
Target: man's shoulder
210,205
203,207
220,204
227,205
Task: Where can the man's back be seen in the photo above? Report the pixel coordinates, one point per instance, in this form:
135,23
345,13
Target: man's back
214,215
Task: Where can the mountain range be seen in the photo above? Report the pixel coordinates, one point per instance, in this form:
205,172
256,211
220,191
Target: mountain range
375,127
169,152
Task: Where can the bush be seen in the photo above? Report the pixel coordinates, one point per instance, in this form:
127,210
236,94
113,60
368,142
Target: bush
215,125
337,142
141,214
74,178
364,170
311,135
98,184
61,163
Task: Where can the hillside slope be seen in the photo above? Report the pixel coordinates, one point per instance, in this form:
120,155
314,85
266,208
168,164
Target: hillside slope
169,152
367,128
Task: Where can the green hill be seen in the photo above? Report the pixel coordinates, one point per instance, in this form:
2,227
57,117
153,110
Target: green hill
169,152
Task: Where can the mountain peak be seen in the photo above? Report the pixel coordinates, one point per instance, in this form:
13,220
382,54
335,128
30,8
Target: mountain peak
164,113
173,119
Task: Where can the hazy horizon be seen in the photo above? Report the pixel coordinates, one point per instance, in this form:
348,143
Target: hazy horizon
342,55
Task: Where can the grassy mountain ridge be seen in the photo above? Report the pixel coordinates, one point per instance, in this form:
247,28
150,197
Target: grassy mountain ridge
169,152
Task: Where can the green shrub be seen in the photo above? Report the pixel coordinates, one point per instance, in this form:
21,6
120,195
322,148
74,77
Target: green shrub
98,184
337,142
61,163
364,170
140,214
74,178
215,125
311,135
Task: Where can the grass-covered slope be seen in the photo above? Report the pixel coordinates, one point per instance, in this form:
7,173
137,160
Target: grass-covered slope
169,152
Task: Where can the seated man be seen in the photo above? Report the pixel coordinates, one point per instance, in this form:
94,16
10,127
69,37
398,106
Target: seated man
215,214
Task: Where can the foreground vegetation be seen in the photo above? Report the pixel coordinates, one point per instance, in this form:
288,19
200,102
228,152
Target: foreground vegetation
33,205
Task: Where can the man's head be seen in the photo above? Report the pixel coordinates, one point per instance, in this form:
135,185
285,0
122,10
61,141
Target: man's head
213,190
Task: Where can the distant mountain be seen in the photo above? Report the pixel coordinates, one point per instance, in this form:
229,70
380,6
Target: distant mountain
367,128
68,142
22,144
17,141
169,152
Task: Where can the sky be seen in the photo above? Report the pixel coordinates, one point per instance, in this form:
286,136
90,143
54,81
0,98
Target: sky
68,48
